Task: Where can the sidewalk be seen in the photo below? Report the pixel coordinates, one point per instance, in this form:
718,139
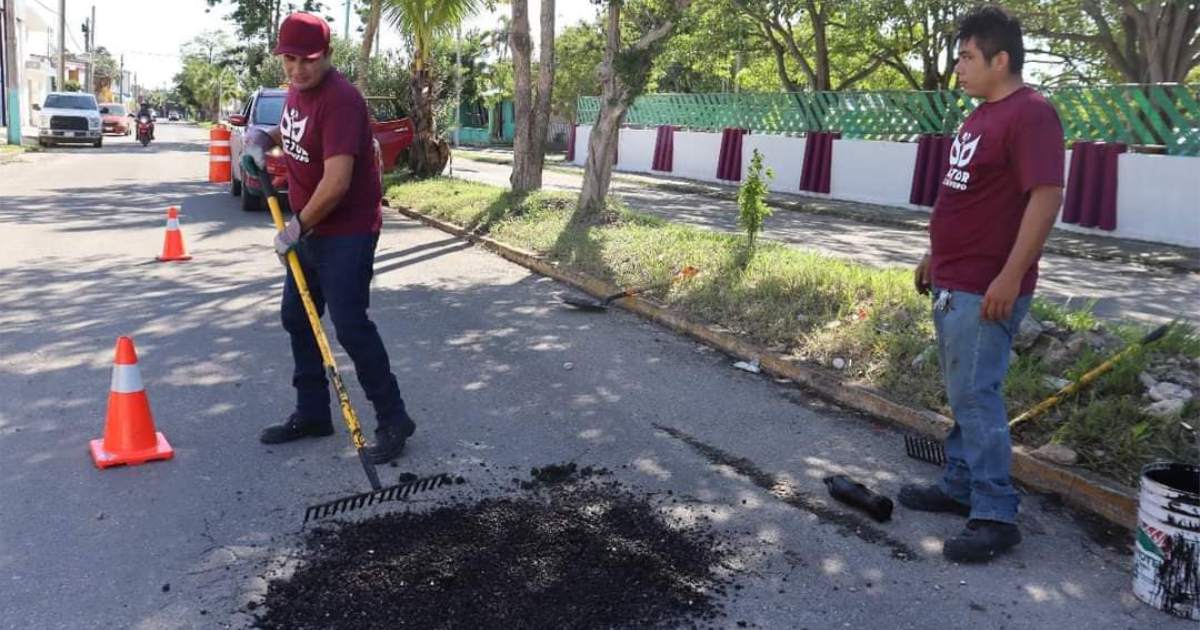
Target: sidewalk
1153,293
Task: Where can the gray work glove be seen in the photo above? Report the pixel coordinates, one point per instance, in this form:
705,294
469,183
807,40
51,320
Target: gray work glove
287,239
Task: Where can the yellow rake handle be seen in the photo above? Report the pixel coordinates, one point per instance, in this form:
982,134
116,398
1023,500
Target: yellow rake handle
348,414
1085,380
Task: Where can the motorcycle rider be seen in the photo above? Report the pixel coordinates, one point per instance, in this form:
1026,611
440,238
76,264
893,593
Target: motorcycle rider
145,112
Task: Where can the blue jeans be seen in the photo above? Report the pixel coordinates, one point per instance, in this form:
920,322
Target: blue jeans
974,357
339,271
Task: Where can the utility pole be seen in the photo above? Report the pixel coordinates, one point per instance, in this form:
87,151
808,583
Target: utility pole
62,44
86,27
12,85
346,26
91,46
121,81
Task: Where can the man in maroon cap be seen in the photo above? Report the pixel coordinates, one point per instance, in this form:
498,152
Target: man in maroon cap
333,181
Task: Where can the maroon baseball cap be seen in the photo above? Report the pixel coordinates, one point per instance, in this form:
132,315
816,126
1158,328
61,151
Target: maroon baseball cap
303,35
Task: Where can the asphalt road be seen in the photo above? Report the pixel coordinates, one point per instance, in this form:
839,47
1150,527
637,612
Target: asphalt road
498,376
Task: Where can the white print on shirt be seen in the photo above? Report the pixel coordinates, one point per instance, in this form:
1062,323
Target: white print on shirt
292,128
961,153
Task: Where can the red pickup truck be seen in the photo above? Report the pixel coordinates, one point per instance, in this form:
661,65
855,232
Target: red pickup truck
264,109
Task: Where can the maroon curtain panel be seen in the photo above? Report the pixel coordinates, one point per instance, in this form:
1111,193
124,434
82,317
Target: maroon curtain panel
664,149
729,162
818,161
571,143
933,158
1091,199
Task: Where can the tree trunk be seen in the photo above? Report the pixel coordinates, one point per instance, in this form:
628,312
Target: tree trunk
427,156
819,22
545,89
602,151
602,143
616,97
274,32
521,45
364,54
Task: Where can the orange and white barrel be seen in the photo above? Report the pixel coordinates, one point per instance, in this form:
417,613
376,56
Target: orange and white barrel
220,167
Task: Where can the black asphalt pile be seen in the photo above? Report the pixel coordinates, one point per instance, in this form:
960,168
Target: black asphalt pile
566,553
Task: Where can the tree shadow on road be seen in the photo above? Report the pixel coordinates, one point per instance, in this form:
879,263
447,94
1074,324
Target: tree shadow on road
129,205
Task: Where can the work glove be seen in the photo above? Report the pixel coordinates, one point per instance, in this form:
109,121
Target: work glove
255,154
256,145
287,239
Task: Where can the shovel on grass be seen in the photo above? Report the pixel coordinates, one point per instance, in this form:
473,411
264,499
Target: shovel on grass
591,304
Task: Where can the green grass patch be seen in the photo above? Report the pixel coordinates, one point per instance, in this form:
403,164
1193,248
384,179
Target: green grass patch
818,308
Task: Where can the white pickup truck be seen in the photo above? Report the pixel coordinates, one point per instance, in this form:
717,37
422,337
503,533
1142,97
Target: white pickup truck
69,117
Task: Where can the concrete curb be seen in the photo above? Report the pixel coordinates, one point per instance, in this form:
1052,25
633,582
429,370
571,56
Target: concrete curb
1112,501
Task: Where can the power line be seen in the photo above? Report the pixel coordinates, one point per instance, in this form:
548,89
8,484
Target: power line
150,54
73,40
53,12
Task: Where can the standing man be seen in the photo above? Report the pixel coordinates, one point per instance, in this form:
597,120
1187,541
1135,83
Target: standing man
997,204
333,178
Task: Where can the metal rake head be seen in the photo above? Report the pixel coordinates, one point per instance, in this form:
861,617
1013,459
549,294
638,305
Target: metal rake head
367,499
925,449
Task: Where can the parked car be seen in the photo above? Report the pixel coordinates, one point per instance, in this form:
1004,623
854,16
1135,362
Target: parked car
69,117
173,116
264,109
114,119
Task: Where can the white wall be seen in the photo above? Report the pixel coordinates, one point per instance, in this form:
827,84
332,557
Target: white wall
582,134
1158,199
782,154
696,155
873,171
1158,196
635,151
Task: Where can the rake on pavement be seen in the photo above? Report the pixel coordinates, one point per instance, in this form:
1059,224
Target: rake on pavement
397,492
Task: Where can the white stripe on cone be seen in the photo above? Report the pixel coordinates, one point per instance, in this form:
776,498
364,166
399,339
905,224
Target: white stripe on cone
220,158
172,224
126,379
220,143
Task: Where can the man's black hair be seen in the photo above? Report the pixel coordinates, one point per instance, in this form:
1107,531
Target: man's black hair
994,30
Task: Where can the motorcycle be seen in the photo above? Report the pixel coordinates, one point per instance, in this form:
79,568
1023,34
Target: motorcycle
145,129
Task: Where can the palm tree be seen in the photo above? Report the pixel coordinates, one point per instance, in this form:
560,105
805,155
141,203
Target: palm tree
421,21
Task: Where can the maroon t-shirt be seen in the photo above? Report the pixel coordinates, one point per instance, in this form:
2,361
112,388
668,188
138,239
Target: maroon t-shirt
1003,150
317,124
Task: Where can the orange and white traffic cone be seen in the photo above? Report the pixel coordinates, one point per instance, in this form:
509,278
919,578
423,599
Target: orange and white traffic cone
129,435
173,242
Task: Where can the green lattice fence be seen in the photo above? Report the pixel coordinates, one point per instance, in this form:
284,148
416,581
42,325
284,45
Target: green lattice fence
1152,115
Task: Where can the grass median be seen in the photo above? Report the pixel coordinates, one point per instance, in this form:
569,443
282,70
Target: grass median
866,323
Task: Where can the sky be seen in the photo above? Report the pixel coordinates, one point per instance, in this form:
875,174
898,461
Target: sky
150,32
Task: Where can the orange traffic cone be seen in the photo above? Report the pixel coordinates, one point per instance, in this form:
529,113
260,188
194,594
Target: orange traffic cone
173,242
129,435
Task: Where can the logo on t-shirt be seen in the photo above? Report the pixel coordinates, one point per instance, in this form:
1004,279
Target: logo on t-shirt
292,128
961,152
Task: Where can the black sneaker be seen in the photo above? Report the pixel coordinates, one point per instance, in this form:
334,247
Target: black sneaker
981,541
931,499
389,443
295,428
